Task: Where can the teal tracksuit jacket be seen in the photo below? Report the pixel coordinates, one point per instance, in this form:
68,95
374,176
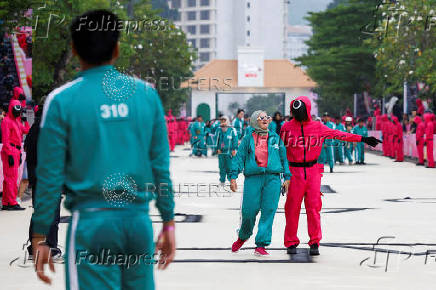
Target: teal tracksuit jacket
339,145
261,185
327,154
238,124
360,147
226,142
198,139
107,150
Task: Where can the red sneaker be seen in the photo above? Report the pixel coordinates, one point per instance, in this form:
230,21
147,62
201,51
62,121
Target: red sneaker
260,251
237,245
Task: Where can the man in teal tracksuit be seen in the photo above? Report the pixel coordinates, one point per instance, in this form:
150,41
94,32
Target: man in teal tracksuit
214,131
227,143
360,129
327,154
338,144
198,138
262,157
103,142
238,123
348,148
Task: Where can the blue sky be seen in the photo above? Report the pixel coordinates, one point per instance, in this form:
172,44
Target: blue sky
299,8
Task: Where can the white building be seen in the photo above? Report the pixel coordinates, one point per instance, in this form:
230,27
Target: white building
216,28
222,84
296,37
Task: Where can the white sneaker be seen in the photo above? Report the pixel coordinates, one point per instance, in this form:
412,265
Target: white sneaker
19,200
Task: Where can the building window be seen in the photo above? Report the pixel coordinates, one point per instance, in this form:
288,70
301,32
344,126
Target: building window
248,5
248,18
192,3
192,29
176,4
204,56
205,3
193,43
248,33
204,29
192,15
204,15
176,16
204,43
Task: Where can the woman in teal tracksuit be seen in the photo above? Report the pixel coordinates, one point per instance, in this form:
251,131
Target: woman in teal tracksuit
262,157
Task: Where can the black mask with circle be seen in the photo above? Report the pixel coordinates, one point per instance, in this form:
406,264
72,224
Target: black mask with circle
299,111
16,111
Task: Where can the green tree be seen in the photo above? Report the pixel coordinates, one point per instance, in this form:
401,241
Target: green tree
270,103
403,43
153,49
12,14
337,58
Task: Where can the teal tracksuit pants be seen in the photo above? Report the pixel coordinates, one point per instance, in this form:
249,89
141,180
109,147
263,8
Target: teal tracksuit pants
110,249
224,163
348,150
327,155
339,151
360,152
261,193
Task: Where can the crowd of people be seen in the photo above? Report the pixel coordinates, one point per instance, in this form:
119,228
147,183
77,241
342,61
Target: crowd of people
278,156
204,136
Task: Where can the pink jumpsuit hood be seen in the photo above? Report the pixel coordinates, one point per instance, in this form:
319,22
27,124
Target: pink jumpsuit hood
395,119
308,104
12,103
417,120
17,92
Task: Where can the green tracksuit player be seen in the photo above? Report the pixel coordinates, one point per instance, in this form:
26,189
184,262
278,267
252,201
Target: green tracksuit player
227,143
103,141
360,129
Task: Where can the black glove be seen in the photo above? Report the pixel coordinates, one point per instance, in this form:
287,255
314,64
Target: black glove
24,118
10,160
371,141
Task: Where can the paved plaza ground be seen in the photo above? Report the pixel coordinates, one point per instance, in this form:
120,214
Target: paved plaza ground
394,203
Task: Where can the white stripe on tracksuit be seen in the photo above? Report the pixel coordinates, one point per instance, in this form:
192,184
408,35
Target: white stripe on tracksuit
72,267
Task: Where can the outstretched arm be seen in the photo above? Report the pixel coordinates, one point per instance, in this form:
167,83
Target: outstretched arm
328,133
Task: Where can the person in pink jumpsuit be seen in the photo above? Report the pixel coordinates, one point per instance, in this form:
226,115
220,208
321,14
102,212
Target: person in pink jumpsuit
429,131
180,131
390,131
12,136
172,130
18,94
303,139
433,118
384,129
398,143
420,131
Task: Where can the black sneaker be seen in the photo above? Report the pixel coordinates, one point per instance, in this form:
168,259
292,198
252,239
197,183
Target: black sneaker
419,164
15,207
292,250
331,170
5,207
314,251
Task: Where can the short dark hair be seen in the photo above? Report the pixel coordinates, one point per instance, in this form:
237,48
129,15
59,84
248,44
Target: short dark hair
240,110
95,35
